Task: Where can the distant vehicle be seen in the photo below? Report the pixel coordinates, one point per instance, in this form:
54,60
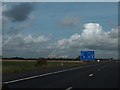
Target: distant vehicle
98,60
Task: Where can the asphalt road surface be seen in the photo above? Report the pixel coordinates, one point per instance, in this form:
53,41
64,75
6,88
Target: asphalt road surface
101,75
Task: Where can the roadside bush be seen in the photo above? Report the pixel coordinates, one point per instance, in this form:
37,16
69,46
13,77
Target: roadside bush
40,62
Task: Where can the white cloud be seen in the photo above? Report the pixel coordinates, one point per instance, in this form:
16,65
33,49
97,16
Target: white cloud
25,45
113,33
39,39
63,43
93,37
20,39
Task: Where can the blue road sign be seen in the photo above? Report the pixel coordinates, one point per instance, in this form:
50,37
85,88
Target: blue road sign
87,56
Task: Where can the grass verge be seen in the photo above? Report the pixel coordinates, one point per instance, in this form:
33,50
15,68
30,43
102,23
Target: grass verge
21,66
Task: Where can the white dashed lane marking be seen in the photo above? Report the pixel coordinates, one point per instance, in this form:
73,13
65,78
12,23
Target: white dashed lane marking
91,75
69,88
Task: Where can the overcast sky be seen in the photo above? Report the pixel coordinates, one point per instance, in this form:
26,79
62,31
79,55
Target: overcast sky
59,29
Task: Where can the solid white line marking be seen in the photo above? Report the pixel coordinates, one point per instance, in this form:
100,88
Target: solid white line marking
91,75
69,88
32,77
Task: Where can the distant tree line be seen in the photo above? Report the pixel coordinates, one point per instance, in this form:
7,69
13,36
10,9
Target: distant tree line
76,59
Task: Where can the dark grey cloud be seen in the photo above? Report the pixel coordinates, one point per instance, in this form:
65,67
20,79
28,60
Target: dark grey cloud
19,13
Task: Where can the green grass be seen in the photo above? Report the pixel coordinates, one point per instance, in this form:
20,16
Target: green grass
16,66
21,66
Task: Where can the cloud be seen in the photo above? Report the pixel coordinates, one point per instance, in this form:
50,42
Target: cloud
93,38
5,19
113,33
19,13
8,27
12,30
69,21
22,40
25,45
39,39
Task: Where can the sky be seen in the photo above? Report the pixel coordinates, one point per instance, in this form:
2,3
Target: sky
60,0
59,29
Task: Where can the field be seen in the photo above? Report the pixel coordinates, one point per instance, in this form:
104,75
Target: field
14,66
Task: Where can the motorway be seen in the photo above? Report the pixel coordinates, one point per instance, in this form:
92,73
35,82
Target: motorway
100,75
